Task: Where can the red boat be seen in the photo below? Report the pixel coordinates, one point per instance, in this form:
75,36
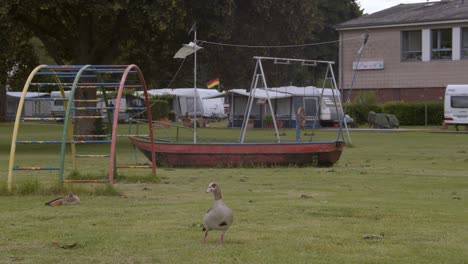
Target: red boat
170,154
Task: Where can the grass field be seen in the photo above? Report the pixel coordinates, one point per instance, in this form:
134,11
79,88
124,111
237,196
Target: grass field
392,198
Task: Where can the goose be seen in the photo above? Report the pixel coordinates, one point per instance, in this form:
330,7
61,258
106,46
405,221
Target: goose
219,217
70,199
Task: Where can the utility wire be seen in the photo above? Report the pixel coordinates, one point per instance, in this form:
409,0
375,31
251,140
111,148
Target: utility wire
278,46
175,75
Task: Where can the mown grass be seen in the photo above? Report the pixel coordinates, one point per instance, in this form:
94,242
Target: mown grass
392,198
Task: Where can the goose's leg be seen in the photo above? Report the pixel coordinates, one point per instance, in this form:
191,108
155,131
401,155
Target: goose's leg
206,234
222,237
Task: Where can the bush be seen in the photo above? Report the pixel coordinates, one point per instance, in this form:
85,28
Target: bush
408,113
360,111
415,113
159,109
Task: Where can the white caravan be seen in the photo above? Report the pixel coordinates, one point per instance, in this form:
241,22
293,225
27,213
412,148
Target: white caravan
456,105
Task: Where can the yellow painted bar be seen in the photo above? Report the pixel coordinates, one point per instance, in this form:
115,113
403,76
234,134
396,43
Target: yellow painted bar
16,126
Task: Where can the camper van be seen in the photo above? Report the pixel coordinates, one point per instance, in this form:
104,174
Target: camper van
57,109
456,105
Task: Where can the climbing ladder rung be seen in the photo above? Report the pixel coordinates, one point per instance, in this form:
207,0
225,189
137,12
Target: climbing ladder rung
46,99
86,100
134,167
88,117
131,135
93,156
35,168
85,181
87,108
90,141
87,136
38,142
41,118
133,108
60,142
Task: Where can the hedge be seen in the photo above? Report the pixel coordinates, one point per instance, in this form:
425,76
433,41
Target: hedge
408,113
414,113
359,111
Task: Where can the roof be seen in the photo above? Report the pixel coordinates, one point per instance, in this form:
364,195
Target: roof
186,92
280,92
259,94
412,14
28,94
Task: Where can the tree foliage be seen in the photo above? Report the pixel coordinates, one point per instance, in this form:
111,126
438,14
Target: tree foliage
148,33
17,57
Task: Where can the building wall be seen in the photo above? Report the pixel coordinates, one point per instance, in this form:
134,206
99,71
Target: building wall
398,80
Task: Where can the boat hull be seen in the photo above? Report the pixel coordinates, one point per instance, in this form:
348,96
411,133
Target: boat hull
241,155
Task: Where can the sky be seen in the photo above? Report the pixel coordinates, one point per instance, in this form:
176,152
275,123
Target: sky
372,6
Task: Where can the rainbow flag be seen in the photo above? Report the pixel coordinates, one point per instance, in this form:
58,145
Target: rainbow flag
212,83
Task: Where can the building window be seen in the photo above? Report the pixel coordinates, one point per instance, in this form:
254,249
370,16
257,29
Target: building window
464,44
441,44
411,45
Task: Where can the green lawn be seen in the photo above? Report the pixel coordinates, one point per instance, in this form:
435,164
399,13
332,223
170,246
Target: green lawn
392,198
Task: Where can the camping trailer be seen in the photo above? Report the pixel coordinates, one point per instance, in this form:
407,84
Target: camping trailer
58,109
30,108
456,105
183,101
318,103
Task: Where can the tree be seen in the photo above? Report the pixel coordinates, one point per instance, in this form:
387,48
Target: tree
148,33
96,32
17,56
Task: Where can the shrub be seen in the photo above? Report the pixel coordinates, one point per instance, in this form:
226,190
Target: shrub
159,109
415,113
360,111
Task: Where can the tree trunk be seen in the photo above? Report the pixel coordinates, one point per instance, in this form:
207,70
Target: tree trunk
85,126
3,101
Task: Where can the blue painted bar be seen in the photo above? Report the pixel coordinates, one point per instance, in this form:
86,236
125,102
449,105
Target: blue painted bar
60,142
93,156
46,99
88,108
38,142
88,117
91,141
35,168
41,118
55,73
83,136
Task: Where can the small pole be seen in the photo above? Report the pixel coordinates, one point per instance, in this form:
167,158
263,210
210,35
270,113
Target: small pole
195,86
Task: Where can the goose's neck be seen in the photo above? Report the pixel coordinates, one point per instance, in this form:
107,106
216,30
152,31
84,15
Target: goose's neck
217,195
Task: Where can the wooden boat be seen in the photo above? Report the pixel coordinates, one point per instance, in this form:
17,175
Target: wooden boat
184,154
178,154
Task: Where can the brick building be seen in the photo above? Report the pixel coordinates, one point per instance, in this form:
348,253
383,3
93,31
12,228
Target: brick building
413,52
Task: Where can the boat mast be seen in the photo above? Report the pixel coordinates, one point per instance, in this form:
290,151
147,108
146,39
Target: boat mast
195,97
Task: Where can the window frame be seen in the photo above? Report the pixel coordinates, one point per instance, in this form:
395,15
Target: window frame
410,55
463,50
436,52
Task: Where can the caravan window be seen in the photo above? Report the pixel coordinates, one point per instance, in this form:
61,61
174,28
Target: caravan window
459,101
